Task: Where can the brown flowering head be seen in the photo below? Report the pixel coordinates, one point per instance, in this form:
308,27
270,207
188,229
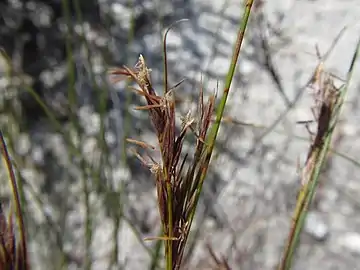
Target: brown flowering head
176,174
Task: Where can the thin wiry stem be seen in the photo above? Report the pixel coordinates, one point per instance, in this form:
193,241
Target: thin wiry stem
166,89
220,111
12,179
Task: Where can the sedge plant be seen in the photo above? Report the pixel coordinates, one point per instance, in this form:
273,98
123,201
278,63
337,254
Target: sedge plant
178,177
329,102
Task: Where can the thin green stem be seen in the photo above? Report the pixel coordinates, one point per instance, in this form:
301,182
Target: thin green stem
72,97
210,142
169,251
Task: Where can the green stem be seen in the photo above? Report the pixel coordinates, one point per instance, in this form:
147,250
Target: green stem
220,111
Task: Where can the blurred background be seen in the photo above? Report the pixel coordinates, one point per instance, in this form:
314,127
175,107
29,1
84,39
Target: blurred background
89,202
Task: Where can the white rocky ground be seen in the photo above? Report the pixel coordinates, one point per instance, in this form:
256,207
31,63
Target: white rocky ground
252,187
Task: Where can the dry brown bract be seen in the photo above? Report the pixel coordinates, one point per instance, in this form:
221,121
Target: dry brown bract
326,96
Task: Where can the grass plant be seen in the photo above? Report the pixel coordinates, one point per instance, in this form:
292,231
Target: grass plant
178,184
179,175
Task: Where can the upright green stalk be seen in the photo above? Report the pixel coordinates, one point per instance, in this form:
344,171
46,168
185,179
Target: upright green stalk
221,107
72,98
168,245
